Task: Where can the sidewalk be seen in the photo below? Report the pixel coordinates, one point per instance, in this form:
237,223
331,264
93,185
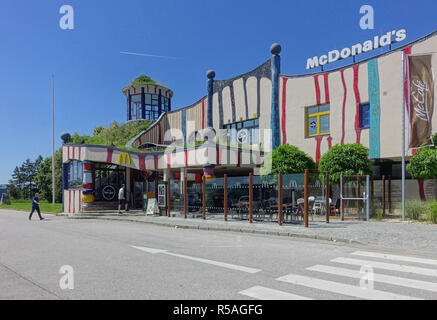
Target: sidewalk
401,235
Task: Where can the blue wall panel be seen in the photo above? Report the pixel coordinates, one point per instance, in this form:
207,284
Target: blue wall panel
375,110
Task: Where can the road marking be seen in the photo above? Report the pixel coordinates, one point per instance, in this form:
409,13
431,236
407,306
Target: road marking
149,250
395,257
262,293
387,266
212,262
343,289
404,282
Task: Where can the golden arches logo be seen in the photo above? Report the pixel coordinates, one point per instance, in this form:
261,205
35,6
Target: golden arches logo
124,158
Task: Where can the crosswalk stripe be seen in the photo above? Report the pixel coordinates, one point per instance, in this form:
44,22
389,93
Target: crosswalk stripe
262,293
404,282
343,289
395,257
387,266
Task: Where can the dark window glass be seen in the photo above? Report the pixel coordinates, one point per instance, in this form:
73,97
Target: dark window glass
75,174
365,115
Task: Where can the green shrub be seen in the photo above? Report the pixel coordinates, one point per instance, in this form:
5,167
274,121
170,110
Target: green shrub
379,214
432,214
414,209
351,159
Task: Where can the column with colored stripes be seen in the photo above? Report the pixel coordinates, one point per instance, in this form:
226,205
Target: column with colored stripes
275,49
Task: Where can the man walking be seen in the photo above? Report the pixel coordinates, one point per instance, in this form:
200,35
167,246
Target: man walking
121,199
35,206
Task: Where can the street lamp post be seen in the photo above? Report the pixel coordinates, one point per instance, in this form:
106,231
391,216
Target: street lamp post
53,139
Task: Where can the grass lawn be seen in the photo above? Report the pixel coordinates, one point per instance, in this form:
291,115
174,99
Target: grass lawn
26,205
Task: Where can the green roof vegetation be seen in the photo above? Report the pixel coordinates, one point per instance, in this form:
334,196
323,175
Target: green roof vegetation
143,79
116,135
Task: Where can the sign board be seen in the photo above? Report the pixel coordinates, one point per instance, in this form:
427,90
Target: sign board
377,42
144,201
162,195
151,206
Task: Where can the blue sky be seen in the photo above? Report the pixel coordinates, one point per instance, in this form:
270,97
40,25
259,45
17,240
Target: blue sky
231,37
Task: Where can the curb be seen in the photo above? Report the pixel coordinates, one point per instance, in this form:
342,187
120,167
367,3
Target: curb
228,229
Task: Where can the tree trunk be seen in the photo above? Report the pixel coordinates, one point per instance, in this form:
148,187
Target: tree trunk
422,189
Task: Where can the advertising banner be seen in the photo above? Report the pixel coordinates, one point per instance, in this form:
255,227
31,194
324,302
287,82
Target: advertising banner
421,80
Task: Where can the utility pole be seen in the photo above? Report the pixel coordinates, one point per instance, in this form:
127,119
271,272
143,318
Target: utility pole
53,139
403,136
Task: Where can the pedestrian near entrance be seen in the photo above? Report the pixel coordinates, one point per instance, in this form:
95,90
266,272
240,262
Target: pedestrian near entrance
35,206
121,199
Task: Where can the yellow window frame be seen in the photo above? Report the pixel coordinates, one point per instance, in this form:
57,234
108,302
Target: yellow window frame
317,115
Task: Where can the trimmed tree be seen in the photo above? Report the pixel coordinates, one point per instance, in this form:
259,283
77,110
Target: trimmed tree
287,159
424,166
351,159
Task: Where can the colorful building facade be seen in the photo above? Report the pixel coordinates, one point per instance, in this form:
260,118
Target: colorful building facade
255,112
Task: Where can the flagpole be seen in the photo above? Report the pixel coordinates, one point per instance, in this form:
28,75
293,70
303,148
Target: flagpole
53,139
403,135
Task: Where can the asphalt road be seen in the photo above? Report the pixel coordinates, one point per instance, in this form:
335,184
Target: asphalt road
126,260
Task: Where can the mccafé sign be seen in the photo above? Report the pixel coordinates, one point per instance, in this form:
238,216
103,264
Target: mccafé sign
369,45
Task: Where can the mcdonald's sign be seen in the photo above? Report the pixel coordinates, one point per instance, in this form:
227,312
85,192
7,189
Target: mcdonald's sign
124,158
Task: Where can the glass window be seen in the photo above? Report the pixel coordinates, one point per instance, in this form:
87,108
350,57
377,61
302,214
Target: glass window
250,126
75,174
324,108
136,98
365,115
148,99
313,110
318,120
324,124
312,126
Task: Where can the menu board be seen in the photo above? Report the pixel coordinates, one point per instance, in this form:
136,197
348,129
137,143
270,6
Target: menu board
151,205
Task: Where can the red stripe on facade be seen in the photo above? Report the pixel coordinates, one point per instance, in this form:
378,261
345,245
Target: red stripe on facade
317,86
203,114
69,200
80,153
344,106
73,154
407,51
186,158
329,142
218,155
238,158
80,201
168,160
358,101
109,155
68,153
319,143
327,99
284,102
142,162
155,159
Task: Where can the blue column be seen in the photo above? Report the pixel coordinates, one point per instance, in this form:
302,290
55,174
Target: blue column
143,104
275,49
375,110
210,84
159,103
129,102
65,173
